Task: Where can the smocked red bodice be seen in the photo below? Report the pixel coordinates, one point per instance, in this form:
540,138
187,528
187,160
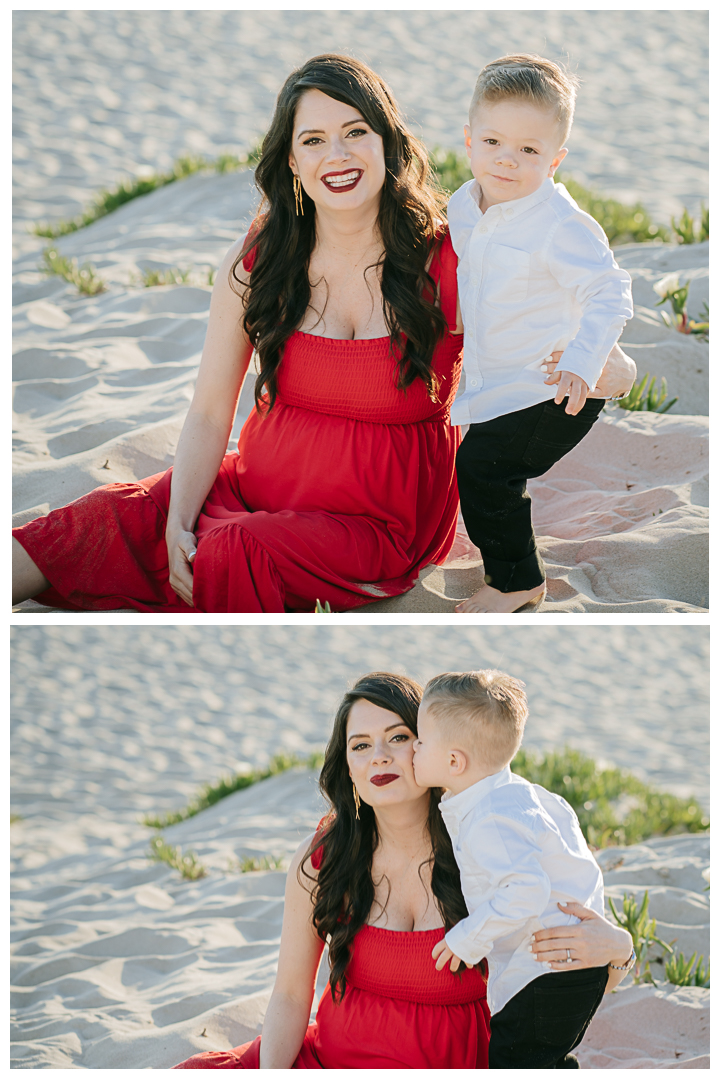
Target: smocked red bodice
332,377
400,966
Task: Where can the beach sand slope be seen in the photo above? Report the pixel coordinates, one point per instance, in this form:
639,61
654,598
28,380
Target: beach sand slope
117,962
120,963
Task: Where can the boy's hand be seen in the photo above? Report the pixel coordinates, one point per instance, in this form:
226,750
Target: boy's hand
442,953
571,387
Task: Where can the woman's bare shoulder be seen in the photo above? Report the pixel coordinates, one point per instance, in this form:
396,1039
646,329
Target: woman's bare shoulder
296,868
235,248
230,258
232,264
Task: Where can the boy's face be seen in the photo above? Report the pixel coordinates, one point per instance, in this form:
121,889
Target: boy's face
431,752
513,146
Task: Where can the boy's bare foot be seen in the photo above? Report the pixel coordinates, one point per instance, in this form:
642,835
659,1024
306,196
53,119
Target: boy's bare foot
490,600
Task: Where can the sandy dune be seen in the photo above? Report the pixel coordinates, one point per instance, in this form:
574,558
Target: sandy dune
119,963
647,1027
102,385
663,1027
136,961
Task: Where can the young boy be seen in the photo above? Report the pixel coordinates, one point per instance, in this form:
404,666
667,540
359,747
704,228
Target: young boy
520,852
535,275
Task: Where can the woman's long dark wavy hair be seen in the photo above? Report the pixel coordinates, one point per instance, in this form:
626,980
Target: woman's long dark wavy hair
344,892
410,211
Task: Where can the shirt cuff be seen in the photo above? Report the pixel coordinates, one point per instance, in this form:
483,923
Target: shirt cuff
462,945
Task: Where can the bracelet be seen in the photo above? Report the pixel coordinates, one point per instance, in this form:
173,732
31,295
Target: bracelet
626,966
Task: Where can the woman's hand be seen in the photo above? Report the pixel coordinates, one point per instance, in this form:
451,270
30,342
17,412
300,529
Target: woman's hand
593,942
182,548
616,378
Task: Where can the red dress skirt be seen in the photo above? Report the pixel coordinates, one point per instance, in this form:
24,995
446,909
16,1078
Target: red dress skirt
342,493
398,1012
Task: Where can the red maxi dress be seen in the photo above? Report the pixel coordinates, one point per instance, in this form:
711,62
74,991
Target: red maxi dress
341,493
398,1012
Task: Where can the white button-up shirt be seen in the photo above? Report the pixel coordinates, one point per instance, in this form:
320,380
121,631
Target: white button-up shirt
534,275
520,850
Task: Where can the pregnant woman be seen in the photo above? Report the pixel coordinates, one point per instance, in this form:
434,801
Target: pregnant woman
378,881
343,486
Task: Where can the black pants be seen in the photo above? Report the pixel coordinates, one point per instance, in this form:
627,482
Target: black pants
545,1020
494,462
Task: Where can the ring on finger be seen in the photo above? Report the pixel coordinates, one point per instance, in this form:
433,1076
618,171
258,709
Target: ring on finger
569,957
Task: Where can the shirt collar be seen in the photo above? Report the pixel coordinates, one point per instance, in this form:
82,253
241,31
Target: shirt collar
514,207
461,804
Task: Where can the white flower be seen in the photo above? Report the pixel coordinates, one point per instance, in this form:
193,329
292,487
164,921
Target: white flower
668,284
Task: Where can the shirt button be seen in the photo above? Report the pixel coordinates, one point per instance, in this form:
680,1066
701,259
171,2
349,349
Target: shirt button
483,228
473,382
509,212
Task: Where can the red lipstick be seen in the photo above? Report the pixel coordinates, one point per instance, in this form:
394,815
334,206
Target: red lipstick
342,181
383,778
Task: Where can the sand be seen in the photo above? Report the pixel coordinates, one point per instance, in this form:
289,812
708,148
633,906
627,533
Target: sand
118,962
133,962
132,703
663,1026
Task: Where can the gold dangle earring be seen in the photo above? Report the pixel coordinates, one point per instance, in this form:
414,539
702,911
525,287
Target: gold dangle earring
356,797
297,190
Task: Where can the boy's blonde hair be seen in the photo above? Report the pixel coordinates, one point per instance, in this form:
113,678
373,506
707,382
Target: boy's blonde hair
526,77
486,709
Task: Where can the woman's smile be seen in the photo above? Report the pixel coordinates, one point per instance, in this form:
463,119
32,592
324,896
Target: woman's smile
342,181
